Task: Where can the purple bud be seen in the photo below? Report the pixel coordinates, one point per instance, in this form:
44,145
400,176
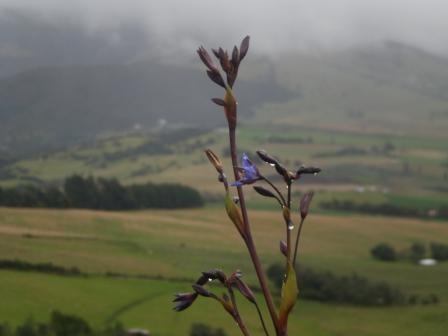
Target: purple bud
264,192
283,248
244,47
216,53
219,101
201,290
216,77
305,204
206,59
215,274
266,157
245,290
184,300
235,57
307,170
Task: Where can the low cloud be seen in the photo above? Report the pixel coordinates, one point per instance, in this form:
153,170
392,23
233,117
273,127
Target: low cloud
179,25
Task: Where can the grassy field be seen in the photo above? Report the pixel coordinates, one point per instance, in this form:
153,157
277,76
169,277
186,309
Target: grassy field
181,244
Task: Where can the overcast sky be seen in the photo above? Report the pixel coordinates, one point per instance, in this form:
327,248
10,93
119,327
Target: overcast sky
285,24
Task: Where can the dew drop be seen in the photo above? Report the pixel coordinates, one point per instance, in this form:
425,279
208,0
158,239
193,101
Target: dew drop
315,174
210,279
290,226
272,164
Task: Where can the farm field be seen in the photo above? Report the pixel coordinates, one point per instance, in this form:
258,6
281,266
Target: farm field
172,247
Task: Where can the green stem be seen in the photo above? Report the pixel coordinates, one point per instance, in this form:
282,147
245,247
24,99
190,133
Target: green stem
237,316
262,320
276,190
297,241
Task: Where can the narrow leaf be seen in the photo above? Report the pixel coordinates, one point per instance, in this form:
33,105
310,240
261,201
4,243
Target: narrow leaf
289,297
234,214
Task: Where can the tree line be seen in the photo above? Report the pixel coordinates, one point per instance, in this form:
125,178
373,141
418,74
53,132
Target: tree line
385,208
325,286
89,192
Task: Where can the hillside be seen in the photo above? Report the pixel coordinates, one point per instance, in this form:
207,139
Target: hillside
392,88
52,107
180,244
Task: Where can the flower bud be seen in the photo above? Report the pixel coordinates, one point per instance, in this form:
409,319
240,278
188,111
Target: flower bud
266,157
201,290
244,47
283,248
305,204
264,192
215,161
307,170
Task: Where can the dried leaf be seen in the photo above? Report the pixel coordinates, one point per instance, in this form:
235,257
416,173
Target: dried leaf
215,160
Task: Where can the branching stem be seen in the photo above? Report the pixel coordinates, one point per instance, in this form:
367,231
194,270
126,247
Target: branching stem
275,189
249,241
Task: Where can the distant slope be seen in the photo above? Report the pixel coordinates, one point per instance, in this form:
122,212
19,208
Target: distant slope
387,89
53,107
390,88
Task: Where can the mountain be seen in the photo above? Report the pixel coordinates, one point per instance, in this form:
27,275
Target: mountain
53,107
29,40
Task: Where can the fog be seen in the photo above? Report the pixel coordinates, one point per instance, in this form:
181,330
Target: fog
176,26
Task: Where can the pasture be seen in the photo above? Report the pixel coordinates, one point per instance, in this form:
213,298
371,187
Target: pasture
172,247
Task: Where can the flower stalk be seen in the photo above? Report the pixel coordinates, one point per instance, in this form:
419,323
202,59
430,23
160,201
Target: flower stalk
247,174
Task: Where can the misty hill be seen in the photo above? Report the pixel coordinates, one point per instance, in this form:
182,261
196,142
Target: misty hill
53,107
389,88
29,41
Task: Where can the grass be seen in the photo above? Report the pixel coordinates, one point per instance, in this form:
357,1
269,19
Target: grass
146,304
181,244
414,164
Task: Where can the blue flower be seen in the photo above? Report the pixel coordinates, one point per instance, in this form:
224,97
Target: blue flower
249,170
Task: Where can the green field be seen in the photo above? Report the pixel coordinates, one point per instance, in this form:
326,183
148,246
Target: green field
180,244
